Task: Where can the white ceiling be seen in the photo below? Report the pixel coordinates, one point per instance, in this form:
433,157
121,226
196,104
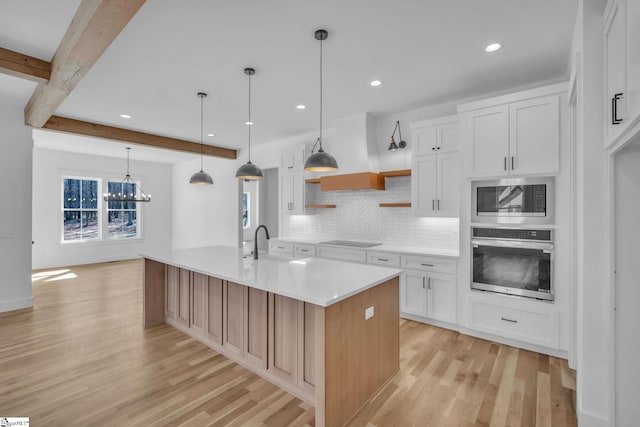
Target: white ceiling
425,52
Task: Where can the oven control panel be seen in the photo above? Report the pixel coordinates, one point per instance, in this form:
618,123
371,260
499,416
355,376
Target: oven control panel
512,233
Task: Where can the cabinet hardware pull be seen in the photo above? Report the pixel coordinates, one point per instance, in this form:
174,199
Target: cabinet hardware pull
512,160
429,283
383,259
304,250
614,109
281,247
437,148
426,265
508,320
438,205
433,205
433,148
505,163
423,285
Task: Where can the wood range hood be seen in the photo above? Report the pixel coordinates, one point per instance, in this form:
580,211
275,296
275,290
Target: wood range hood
352,181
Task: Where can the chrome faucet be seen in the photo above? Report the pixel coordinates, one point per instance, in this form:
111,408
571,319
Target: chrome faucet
255,240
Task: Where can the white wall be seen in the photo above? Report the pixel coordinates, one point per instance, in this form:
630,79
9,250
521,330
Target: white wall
155,217
15,216
206,214
592,219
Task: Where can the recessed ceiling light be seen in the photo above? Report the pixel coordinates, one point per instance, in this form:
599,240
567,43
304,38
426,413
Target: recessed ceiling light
375,83
125,116
248,123
492,47
211,134
301,107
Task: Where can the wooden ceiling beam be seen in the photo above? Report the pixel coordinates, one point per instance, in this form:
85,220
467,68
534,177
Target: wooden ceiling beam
24,66
94,26
96,130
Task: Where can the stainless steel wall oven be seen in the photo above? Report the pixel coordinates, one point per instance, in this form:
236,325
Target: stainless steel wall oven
513,261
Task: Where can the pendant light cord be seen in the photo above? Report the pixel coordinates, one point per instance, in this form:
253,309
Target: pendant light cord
201,132
250,123
128,149
321,41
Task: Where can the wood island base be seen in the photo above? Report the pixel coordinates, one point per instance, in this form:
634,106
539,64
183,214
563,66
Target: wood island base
330,357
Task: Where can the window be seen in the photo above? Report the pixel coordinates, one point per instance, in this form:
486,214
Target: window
122,216
84,216
245,210
80,209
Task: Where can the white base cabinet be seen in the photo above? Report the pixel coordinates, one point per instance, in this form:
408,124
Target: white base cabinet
413,293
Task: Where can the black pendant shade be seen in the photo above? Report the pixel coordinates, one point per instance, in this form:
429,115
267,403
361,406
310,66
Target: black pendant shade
201,178
320,161
249,171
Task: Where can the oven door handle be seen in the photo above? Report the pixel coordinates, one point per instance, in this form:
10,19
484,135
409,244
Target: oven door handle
545,247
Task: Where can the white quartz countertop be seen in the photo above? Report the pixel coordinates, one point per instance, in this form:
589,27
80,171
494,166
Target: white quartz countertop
314,280
402,249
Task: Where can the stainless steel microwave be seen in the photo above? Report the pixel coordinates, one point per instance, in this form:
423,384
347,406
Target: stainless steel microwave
513,201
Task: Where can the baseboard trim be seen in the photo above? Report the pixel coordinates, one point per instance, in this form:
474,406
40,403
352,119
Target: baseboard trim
16,304
96,260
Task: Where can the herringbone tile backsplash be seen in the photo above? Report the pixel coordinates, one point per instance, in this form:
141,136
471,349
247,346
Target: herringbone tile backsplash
358,217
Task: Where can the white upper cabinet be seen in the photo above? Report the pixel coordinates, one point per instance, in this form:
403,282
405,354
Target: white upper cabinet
621,68
435,175
534,136
519,136
292,191
488,131
292,160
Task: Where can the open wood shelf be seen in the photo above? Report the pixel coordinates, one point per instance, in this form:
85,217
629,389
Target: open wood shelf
391,174
395,205
312,181
320,206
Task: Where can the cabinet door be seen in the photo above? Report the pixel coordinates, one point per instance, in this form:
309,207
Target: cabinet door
441,297
413,293
447,138
184,297
198,303
614,65
286,192
292,193
423,185
283,337
233,326
213,323
171,291
292,160
534,140
256,321
488,133
633,59
448,184
425,140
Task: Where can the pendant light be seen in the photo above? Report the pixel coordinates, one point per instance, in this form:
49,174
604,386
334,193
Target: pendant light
201,178
249,171
393,146
320,161
125,194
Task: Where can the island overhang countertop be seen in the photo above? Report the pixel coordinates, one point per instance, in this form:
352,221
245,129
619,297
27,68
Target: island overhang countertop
318,281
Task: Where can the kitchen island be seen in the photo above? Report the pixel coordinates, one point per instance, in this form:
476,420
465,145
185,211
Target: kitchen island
326,331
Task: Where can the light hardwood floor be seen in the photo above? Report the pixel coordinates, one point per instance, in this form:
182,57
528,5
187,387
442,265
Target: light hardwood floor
81,357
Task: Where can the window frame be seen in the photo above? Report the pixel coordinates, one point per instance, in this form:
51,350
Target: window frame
98,209
246,196
138,211
103,223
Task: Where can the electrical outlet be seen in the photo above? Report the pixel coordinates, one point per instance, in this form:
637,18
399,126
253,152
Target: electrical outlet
368,313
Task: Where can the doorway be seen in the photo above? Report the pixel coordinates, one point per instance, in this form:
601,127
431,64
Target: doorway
259,204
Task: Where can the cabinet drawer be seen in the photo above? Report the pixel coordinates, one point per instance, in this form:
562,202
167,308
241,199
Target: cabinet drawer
340,254
535,327
277,247
381,258
437,265
302,250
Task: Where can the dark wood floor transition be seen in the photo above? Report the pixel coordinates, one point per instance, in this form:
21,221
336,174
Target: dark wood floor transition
81,357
